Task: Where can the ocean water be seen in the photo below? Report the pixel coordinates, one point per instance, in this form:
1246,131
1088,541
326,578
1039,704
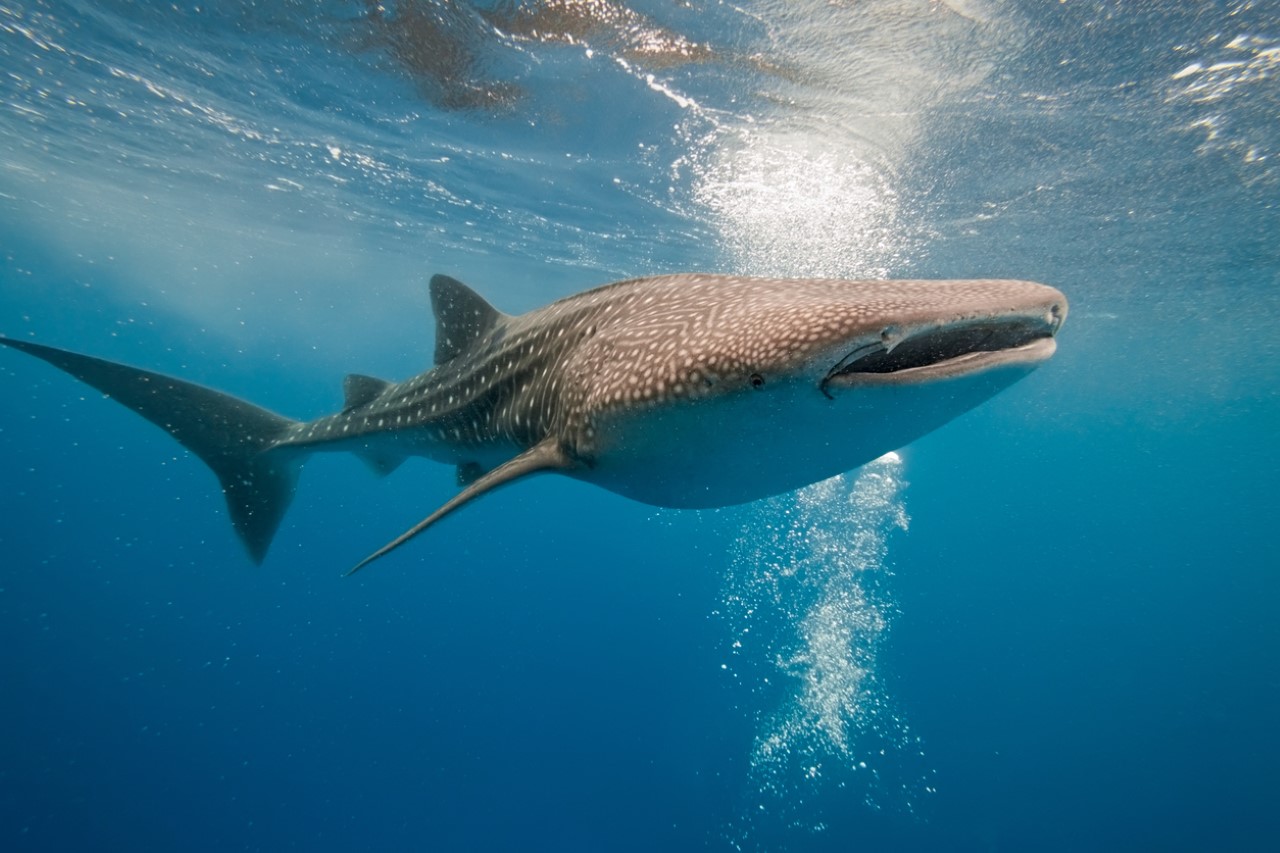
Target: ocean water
1050,625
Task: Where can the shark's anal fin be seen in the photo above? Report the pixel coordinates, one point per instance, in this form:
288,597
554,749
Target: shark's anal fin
462,316
360,390
546,456
381,461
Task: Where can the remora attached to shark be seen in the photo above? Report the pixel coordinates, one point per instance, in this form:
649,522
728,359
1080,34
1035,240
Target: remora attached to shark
676,390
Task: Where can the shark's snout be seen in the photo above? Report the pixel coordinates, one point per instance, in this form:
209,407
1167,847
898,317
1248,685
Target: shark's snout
1023,335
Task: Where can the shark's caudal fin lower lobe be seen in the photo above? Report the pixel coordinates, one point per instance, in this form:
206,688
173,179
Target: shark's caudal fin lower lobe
233,437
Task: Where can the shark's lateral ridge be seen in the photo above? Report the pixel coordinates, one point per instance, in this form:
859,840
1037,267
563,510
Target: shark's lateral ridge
677,390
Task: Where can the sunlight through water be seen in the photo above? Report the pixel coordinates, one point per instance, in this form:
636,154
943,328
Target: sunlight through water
805,186
1227,71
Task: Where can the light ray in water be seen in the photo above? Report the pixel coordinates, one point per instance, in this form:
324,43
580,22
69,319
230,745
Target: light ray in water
809,605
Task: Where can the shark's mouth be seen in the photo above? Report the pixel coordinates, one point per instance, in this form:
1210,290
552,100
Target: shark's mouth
942,352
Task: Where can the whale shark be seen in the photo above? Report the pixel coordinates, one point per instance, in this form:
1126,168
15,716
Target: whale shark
688,390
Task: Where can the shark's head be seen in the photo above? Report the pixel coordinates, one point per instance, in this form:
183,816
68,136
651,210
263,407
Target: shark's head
868,334
722,390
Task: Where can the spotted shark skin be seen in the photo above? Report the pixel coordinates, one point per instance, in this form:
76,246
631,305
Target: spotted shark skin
679,390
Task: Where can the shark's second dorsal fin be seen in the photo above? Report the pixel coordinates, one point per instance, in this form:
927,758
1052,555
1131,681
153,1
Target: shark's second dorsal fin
462,315
359,390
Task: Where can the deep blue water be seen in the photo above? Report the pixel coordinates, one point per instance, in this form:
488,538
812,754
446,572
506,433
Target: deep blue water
1049,625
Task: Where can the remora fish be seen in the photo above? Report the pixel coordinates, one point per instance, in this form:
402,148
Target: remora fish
677,390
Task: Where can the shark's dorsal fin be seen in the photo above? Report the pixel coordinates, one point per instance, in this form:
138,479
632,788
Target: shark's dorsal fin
547,456
359,390
462,316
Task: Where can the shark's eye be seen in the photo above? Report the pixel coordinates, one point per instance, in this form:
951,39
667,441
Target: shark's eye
757,381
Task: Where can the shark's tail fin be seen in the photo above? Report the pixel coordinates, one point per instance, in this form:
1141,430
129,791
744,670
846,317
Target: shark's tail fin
234,438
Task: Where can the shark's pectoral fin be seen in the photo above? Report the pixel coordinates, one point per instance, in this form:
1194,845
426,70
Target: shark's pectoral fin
546,456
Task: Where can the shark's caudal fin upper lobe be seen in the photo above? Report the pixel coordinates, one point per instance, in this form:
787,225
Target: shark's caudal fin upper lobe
233,437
